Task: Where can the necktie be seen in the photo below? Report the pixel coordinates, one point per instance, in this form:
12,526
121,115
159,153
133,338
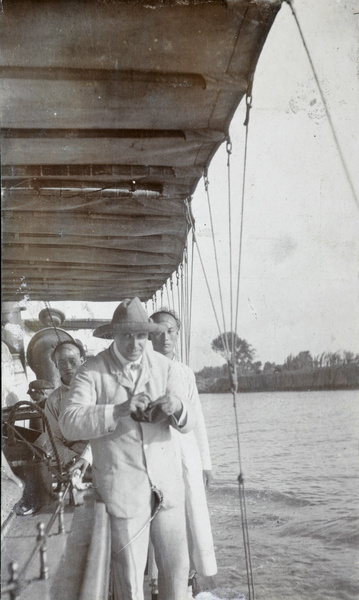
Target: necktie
133,370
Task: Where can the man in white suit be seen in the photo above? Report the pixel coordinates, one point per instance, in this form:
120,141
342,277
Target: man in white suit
196,459
135,460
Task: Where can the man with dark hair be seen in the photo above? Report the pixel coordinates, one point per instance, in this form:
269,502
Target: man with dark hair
196,459
68,355
126,400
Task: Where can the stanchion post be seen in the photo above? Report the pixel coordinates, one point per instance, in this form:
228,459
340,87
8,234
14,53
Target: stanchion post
61,528
44,568
14,578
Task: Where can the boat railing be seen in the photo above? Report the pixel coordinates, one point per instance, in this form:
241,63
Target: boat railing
18,580
96,579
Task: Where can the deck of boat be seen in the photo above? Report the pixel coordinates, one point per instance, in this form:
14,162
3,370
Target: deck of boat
66,552
77,558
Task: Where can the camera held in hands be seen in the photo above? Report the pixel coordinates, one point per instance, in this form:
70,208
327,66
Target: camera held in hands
152,414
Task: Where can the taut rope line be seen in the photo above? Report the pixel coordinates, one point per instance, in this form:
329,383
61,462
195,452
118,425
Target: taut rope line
246,123
207,284
206,185
229,152
331,125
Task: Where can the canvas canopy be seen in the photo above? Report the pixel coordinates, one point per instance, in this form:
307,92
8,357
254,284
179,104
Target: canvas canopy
110,112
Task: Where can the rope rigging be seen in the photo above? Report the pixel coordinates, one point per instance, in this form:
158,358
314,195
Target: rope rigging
229,340
206,185
327,112
246,124
229,344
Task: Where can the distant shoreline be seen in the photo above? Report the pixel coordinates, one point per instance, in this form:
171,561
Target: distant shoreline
343,377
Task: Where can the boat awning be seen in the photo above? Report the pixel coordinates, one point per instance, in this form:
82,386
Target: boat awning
110,112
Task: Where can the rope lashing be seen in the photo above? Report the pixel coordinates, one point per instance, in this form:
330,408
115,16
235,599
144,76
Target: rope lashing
321,93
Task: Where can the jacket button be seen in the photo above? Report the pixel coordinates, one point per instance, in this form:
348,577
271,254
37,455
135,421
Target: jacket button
145,446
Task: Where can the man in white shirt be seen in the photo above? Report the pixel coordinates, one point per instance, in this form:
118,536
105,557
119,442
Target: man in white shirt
68,356
196,459
136,464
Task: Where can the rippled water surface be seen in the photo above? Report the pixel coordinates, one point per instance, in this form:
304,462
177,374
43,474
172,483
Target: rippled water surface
300,459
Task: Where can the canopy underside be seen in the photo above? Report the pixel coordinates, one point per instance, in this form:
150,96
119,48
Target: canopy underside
110,112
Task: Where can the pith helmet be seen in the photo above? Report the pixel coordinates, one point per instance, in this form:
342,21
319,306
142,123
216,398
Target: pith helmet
129,317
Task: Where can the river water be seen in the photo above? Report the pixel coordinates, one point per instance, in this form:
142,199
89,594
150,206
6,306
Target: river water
300,460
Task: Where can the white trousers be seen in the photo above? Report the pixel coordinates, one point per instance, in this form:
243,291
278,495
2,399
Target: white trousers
168,536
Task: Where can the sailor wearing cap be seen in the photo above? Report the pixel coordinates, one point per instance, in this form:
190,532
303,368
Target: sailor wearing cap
134,457
38,391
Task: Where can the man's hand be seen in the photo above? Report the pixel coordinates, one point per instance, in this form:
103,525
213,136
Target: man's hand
207,478
140,401
81,464
171,405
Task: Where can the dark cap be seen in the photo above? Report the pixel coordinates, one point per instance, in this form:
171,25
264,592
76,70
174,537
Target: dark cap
47,313
40,384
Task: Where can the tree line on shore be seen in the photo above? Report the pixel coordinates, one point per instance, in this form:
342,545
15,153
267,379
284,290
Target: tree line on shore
328,370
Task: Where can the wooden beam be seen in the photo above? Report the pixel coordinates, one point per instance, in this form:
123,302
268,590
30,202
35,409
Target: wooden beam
104,105
70,223
24,254
69,324
157,244
112,294
75,284
130,205
16,271
11,133
172,152
174,79
88,171
57,276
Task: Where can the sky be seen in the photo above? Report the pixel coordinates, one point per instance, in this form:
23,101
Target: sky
300,247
